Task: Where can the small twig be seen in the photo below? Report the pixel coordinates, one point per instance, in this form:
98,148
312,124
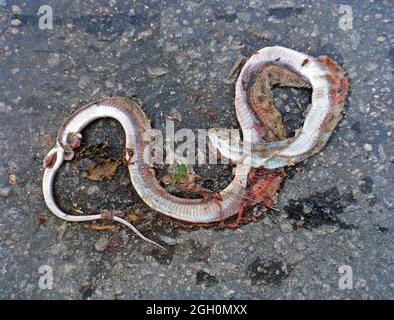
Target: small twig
195,96
235,66
259,35
93,225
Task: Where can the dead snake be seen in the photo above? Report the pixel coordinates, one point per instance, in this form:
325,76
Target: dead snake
285,66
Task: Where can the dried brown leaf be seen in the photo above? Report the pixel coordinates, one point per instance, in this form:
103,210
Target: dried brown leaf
102,170
41,218
93,225
133,217
167,179
93,151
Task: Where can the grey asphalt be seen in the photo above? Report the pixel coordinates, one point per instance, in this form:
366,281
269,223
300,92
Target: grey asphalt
334,210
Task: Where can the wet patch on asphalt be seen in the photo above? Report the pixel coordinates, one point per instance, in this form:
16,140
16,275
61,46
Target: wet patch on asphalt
268,272
320,209
205,279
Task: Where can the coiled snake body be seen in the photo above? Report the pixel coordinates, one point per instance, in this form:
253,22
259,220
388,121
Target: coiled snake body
284,66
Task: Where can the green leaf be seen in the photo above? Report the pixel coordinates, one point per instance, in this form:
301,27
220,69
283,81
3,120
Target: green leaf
180,172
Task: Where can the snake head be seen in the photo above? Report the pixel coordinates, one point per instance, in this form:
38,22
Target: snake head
73,141
50,158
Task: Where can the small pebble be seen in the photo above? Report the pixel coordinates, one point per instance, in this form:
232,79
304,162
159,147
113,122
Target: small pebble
117,269
109,84
4,192
12,179
286,227
15,22
371,67
101,244
15,9
83,82
299,246
68,268
174,115
144,34
367,147
168,240
54,59
157,72
93,190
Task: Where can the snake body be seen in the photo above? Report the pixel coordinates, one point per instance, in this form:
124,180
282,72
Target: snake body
329,90
134,122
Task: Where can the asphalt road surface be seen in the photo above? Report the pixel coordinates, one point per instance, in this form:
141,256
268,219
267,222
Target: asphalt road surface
334,212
